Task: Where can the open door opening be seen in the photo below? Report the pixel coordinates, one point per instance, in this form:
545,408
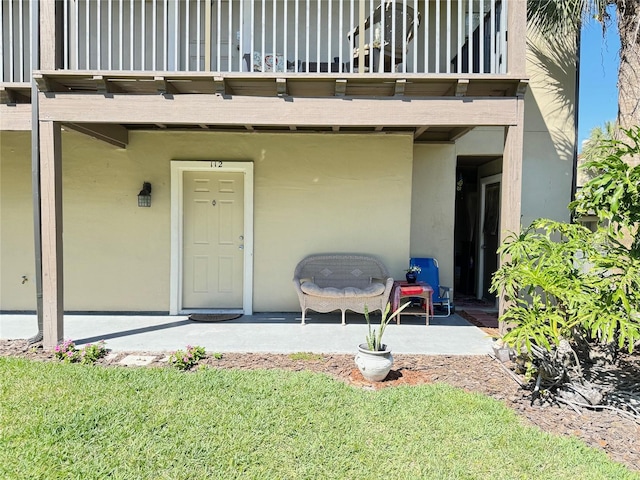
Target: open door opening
465,231
477,224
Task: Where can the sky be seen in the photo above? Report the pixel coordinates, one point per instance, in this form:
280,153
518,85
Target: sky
598,95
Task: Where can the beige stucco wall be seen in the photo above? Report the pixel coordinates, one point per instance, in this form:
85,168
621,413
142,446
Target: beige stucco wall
16,222
313,193
550,132
433,206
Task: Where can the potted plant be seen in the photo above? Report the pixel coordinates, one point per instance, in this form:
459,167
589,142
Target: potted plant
412,273
374,359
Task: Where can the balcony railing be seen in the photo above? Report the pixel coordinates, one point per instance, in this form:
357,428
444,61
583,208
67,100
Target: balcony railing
15,41
298,36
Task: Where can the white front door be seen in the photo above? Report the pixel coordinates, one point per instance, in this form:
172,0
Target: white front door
213,240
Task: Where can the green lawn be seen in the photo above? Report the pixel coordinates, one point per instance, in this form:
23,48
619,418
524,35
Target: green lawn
65,421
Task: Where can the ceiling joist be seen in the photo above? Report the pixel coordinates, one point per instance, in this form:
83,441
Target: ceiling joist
110,133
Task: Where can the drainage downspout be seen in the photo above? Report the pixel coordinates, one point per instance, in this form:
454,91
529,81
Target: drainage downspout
574,180
35,166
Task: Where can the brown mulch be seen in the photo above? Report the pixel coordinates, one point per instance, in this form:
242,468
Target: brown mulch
602,429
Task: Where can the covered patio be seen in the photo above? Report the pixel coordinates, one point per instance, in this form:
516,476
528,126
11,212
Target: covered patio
259,333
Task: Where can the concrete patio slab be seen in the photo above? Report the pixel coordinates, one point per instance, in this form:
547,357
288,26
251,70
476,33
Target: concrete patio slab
259,333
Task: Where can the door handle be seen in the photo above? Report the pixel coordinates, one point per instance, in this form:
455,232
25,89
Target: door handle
241,247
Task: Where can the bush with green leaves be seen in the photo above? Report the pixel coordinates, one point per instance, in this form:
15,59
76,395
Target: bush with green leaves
187,359
564,282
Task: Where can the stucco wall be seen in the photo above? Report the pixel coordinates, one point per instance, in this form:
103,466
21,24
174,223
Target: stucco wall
313,193
550,132
16,222
433,206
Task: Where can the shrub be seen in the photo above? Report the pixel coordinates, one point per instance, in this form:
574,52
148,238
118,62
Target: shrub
570,289
185,360
67,351
89,354
92,352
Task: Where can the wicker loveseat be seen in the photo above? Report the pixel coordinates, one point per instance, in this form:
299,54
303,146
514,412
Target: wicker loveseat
330,282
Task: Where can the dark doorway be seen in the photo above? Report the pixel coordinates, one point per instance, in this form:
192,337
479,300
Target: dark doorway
477,225
490,235
465,230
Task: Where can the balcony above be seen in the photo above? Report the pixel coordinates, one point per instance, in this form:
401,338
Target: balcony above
277,84
261,36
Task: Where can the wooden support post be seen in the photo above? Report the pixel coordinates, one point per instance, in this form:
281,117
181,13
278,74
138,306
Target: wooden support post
517,44
48,35
511,196
51,214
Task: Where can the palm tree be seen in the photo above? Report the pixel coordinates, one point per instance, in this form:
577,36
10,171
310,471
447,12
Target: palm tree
593,149
562,17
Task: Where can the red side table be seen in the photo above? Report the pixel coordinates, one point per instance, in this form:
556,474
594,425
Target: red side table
403,289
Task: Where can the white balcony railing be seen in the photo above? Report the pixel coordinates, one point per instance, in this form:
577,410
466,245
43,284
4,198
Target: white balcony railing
413,36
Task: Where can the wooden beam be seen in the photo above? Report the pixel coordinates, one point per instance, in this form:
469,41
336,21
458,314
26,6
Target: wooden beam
7,96
219,84
461,87
420,131
15,117
51,215
281,86
456,133
164,86
521,89
341,87
46,84
400,84
109,133
274,111
103,85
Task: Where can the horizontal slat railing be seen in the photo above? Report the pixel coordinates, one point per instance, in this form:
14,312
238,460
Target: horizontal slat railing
298,36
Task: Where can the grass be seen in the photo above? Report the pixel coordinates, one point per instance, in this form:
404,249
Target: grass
306,356
67,421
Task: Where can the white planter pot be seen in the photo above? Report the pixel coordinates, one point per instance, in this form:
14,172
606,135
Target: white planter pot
374,366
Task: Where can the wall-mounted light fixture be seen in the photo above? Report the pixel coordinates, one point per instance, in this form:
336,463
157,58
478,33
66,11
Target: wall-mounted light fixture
144,197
